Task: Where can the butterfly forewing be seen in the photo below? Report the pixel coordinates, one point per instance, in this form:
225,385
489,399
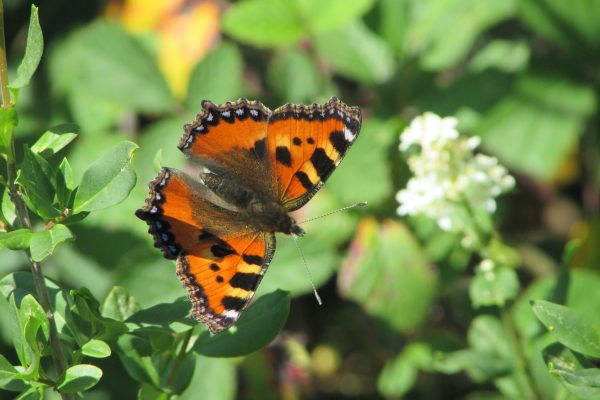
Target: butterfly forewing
306,144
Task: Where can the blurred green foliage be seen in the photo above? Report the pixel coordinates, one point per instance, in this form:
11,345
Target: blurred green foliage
406,312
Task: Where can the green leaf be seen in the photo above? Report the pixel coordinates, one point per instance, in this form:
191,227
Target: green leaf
149,392
32,318
33,393
79,378
163,314
388,274
8,121
96,348
33,52
36,178
65,184
399,375
268,23
119,304
10,376
9,211
516,130
571,24
356,53
295,76
256,328
504,55
135,354
55,139
580,380
494,288
264,23
82,63
570,327
108,180
16,240
212,377
224,60
433,22
43,243
489,356
321,16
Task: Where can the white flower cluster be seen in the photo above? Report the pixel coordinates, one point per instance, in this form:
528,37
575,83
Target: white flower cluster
447,173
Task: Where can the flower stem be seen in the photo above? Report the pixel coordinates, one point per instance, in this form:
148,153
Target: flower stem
527,381
23,217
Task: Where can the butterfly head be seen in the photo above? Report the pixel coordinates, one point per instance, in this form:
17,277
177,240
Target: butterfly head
295,229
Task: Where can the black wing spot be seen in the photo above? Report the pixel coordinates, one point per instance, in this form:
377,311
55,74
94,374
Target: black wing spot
244,281
233,303
310,140
283,156
322,163
304,180
297,141
339,142
252,259
214,267
260,148
205,235
220,279
222,250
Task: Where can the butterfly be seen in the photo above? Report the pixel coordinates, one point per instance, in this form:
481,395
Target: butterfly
258,166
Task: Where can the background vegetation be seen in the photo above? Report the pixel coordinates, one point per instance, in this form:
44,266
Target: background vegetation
402,314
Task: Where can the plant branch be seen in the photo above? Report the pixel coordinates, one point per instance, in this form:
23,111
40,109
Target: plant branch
23,218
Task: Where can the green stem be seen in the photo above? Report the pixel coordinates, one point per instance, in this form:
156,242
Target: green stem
523,372
527,381
180,357
23,218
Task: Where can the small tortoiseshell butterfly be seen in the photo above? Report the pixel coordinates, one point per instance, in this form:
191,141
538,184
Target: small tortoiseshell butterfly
259,166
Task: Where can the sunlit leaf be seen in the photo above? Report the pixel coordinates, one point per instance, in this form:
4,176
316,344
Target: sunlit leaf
96,348
16,240
54,139
356,53
8,121
108,180
79,378
33,52
44,242
570,327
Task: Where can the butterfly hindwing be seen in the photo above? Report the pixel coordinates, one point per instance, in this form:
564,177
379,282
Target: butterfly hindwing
306,143
221,284
220,259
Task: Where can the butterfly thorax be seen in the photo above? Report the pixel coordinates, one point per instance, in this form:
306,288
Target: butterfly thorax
259,209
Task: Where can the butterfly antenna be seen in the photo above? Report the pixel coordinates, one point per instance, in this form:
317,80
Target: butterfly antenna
359,204
310,278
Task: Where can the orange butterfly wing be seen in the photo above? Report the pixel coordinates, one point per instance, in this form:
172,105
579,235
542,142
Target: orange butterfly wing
306,144
219,262
283,156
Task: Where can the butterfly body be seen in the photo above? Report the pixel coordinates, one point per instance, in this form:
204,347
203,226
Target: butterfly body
259,165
